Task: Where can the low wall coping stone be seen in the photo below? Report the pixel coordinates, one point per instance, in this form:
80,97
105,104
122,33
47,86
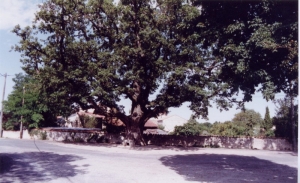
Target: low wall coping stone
77,130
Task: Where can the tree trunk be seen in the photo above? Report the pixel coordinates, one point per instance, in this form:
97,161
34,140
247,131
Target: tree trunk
134,136
134,128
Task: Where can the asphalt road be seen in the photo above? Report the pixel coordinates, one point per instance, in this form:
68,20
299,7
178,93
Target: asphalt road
45,161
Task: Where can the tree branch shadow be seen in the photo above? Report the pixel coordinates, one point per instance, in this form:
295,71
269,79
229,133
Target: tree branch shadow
228,168
37,166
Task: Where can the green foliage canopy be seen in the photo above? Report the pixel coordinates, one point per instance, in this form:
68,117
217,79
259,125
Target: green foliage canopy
244,123
268,124
92,53
227,129
192,127
282,119
267,120
34,111
259,42
249,120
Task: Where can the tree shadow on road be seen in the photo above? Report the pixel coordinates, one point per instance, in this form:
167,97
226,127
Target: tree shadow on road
37,166
229,168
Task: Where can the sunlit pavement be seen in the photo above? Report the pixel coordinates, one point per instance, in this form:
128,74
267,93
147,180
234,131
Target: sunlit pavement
45,161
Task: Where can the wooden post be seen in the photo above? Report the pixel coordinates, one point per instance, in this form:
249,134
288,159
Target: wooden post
21,125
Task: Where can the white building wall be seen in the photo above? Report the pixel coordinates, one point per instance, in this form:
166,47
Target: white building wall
170,122
73,121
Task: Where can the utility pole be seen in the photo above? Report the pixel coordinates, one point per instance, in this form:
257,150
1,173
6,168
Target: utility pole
21,124
1,117
293,124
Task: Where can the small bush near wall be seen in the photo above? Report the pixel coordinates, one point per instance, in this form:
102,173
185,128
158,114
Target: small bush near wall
33,132
41,135
89,122
78,140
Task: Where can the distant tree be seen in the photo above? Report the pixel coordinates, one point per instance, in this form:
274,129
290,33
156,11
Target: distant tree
189,128
217,128
267,124
206,128
282,119
227,129
267,120
248,119
34,111
192,127
8,125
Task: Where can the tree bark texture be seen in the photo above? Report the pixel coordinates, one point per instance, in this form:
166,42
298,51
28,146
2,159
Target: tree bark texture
136,121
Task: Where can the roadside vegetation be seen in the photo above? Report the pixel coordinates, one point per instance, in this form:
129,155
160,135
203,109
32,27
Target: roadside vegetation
27,103
247,123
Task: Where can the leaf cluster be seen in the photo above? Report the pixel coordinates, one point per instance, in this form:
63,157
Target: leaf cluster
160,54
26,101
258,42
282,120
245,123
192,127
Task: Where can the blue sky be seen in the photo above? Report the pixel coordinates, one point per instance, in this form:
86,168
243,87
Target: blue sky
13,12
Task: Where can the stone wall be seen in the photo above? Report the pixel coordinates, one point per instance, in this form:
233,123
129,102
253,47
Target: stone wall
90,135
271,144
219,141
98,136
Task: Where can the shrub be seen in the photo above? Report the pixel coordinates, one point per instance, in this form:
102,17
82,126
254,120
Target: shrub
43,135
161,127
90,122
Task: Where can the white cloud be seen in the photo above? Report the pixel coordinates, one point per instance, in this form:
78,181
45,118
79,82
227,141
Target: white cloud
14,12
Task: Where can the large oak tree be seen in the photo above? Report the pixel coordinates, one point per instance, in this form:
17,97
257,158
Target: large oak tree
159,54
